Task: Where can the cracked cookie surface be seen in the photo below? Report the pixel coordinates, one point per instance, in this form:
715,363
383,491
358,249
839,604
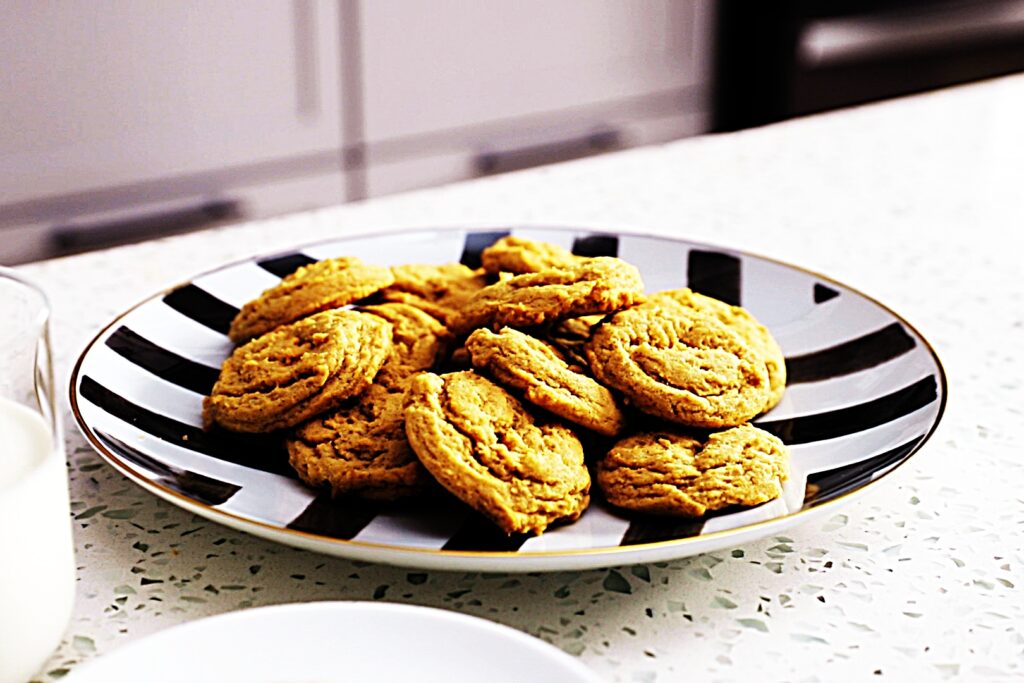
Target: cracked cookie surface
678,364
670,473
360,448
740,319
593,285
519,255
532,366
482,445
331,283
418,342
440,290
287,376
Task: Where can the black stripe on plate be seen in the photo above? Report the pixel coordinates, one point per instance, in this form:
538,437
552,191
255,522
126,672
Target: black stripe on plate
823,486
475,243
715,274
651,529
596,245
334,517
657,529
165,364
197,487
823,293
836,423
481,535
255,451
286,264
851,356
202,307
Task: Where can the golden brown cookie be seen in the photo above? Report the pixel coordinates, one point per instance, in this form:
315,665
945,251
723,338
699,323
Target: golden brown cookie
482,445
520,255
297,371
360,448
440,291
741,320
670,473
331,283
678,364
518,360
594,285
419,341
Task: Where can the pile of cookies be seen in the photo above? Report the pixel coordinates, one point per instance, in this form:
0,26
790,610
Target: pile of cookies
385,382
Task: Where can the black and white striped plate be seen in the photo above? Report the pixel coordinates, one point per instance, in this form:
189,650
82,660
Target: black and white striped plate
865,392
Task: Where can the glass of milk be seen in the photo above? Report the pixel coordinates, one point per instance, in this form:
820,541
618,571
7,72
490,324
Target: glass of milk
37,571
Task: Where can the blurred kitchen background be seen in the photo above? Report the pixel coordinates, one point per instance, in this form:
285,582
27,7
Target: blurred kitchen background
123,120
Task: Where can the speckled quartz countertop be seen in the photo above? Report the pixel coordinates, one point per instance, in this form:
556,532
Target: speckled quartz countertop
916,202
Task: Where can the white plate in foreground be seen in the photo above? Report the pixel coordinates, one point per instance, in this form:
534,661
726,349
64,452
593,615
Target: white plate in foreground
332,642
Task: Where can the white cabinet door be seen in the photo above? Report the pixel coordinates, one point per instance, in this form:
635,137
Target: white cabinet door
454,89
96,94
445,64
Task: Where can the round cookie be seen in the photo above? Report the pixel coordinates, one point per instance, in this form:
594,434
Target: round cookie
486,449
519,255
677,364
331,283
518,360
669,473
360,448
440,291
741,320
297,371
594,285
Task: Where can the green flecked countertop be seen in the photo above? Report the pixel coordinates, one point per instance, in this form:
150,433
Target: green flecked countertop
915,202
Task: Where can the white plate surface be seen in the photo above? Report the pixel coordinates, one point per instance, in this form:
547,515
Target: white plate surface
335,642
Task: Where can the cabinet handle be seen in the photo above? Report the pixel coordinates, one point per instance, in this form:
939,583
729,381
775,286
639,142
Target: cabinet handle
525,156
80,237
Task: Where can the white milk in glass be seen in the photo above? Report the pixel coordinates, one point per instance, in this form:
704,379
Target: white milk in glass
36,561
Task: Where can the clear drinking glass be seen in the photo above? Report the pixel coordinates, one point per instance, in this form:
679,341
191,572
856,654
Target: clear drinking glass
37,571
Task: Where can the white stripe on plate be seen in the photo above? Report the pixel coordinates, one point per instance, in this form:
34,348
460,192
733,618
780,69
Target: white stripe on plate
238,284
413,529
809,398
661,262
831,323
597,528
159,323
761,513
146,390
775,294
275,501
819,456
